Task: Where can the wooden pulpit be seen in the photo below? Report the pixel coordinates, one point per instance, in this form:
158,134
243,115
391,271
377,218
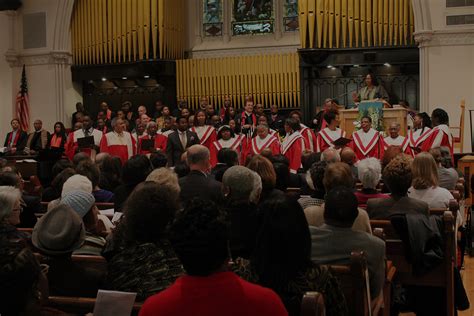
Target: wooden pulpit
398,115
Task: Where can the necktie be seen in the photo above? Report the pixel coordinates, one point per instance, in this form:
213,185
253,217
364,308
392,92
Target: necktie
182,138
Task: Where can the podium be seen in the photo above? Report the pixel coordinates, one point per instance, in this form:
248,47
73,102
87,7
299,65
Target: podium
391,115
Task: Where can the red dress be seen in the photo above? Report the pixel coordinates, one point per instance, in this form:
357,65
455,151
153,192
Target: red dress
292,148
232,143
368,144
160,143
326,138
123,146
207,135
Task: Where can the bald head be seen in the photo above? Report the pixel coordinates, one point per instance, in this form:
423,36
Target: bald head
330,155
348,156
394,130
198,158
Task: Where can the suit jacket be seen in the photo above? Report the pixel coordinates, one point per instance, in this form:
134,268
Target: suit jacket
276,124
21,142
333,245
174,149
197,184
382,208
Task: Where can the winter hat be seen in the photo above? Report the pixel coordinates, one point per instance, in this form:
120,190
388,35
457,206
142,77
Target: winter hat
81,202
76,183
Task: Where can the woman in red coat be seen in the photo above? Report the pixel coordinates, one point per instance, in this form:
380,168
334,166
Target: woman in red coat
206,133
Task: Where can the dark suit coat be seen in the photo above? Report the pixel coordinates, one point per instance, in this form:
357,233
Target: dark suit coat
382,208
174,149
21,143
277,124
197,184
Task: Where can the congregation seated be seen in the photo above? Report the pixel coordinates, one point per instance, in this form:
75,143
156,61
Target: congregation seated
57,235
349,157
337,174
200,237
10,209
242,188
277,263
333,242
140,257
447,175
75,182
397,176
369,173
91,171
110,172
264,168
316,198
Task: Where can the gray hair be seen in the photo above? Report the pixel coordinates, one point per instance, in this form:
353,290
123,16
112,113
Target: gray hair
330,155
8,197
242,183
150,124
369,171
167,178
197,154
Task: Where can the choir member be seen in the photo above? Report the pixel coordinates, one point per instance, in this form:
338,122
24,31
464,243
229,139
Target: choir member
108,114
262,141
37,140
275,120
151,133
118,143
331,133
367,142
293,145
205,133
420,132
58,138
87,130
225,139
306,132
248,120
16,139
440,134
223,111
395,139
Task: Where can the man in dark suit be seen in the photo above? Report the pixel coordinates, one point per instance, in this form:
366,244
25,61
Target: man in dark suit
16,139
276,121
179,141
198,183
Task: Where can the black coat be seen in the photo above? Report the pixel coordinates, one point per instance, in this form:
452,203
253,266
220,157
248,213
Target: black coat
21,142
174,149
197,184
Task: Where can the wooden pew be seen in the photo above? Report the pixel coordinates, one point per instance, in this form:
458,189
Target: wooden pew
354,281
95,262
440,276
312,304
79,305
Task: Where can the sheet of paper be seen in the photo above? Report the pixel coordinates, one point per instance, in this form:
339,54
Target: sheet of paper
116,217
107,212
114,303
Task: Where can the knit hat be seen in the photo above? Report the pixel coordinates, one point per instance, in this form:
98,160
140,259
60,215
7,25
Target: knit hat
81,202
59,231
77,183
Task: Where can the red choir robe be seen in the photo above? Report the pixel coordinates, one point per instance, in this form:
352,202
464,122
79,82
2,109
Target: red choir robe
326,138
400,141
232,143
368,144
207,135
439,136
160,143
417,138
123,146
72,146
257,145
292,148
309,138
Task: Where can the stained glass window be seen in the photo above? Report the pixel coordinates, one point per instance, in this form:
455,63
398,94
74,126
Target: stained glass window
252,17
212,17
290,16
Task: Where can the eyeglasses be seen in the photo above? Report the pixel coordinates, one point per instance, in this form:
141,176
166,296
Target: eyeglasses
44,268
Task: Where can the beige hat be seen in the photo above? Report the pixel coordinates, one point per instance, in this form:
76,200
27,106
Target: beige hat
59,231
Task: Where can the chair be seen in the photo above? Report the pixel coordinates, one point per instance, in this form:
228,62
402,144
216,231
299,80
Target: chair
312,304
79,305
354,281
440,276
458,141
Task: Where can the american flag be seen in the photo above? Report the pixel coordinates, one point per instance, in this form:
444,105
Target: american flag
23,103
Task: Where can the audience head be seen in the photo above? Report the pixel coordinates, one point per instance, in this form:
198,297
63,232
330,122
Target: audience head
181,169
228,156
317,171
81,202
424,171
100,158
198,158
366,123
439,117
348,156
338,174
9,178
340,208
61,178
397,175
150,208
369,172
59,232
281,165
79,157
436,153
241,184
24,286
158,160
390,153
330,155
446,159
76,182
90,170
136,169
200,237
10,205
283,246
264,168
309,158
